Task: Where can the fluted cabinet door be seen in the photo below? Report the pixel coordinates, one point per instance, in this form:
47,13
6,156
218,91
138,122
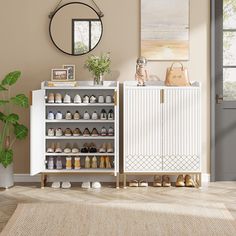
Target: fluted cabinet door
181,130
142,130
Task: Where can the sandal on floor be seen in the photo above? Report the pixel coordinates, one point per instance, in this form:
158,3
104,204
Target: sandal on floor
143,183
180,181
133,183
166,181
157,181
189,182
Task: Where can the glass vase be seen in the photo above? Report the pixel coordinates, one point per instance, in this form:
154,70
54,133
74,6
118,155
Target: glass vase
98,81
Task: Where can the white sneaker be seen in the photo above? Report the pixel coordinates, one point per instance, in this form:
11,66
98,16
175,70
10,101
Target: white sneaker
93,99
77,99
86,116
86,185
67,99
50,115
50,132
56,185
94,115
58,98
68,115
96,185
108,99
86,99
51,98
100,99
59,132
59,116
66,185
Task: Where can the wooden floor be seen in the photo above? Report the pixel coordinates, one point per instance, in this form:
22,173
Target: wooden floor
220,192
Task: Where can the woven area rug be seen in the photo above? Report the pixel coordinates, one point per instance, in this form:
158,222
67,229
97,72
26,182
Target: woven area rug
119,219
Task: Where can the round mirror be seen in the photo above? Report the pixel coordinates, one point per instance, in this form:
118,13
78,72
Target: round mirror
75,28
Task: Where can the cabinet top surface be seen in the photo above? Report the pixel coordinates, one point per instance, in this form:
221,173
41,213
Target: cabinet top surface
79,85
159,84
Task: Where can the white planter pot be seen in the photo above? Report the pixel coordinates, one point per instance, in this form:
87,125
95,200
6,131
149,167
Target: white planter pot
6,176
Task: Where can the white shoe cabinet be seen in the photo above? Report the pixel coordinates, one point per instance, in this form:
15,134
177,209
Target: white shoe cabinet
39,125
162,130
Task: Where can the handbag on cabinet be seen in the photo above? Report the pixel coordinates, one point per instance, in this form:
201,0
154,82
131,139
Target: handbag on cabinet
177,76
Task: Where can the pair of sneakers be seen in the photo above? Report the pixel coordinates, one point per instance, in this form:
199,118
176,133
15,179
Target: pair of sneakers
64,185
75,116
52,132
105,116
57,98
106,148
54,148
89,185
91,99
89,148
76,132
51,116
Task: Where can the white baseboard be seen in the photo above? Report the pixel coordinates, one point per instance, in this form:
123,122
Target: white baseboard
27,178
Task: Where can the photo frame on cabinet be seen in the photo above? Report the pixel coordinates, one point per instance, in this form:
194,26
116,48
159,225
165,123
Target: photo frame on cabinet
59,75
71,72
165,30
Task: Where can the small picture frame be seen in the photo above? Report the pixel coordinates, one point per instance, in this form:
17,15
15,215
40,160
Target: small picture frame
59,75
71,72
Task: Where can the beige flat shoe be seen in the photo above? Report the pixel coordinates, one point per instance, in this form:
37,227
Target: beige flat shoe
157,181
180,181
133,183
143,183
166,181
189,181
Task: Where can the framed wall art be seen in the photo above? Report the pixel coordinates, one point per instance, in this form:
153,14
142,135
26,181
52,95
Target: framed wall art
59,75
71,72
165,30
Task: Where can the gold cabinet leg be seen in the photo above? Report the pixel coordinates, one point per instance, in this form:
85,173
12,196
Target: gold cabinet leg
117,181
124,179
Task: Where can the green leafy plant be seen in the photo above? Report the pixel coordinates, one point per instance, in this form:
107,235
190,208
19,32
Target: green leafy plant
98,65
11,129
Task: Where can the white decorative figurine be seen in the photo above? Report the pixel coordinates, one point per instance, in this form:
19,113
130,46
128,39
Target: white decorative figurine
141,74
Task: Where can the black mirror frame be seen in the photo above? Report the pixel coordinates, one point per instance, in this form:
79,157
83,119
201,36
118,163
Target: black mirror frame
50,25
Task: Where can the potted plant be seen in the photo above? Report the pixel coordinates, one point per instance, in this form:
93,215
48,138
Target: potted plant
98,66
10,128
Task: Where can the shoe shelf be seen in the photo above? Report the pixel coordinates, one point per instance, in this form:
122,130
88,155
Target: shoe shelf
80,104
39,125
80,121
81,138
79,154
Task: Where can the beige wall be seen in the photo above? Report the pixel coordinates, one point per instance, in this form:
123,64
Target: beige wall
25,45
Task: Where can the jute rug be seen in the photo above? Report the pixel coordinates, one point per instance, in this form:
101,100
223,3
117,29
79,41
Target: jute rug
119,219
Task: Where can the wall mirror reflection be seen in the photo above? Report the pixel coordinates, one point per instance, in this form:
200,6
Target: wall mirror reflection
76,28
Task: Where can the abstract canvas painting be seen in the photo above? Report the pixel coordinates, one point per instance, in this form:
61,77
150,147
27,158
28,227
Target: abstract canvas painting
165,29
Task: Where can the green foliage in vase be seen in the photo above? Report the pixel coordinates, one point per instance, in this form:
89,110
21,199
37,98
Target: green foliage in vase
11,129
98,65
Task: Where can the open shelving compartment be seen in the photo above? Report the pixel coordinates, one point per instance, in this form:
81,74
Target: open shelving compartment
39,125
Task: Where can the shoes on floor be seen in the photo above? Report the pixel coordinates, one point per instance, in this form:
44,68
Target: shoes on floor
92,99
59,132
94,115
180,181
58,98
85,99
68,115
56,185
59,116
51,98
103,115
67,99
110,115
86,185
66,185
166,181
50,115
77,163
51,132
100,99
76,116
86,116
189,182
157,182
68,132
134,183
77,99
77,132
143,183
50,163
96,185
